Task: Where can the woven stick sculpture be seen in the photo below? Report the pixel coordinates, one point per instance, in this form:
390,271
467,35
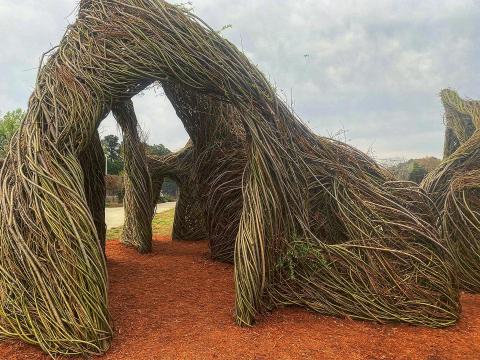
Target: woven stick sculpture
454,187
137,229
321,225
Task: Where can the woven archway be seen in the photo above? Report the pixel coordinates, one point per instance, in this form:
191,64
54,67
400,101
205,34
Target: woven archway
189,222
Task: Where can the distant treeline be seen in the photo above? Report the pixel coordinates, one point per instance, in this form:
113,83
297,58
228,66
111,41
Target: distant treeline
414,169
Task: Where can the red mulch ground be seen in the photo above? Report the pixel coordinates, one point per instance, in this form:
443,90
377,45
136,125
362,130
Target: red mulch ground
177,304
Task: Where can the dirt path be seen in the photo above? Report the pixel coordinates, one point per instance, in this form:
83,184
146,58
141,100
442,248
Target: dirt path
114,217
177,304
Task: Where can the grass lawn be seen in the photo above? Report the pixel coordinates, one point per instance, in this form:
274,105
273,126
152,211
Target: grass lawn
161,226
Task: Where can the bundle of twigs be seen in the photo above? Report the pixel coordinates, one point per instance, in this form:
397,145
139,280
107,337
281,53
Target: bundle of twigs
53,288
137,229
321,225
455,187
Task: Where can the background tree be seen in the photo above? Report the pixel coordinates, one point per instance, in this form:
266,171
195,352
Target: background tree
112,148
158,150
402,169
169,190
9,123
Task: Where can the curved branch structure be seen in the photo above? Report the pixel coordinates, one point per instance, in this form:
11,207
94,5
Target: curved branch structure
454,187
137,229
319,224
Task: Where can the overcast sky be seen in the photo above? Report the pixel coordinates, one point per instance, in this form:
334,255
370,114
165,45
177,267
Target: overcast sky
371,67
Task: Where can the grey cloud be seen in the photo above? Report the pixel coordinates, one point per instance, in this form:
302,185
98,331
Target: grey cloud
374,67
28,28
